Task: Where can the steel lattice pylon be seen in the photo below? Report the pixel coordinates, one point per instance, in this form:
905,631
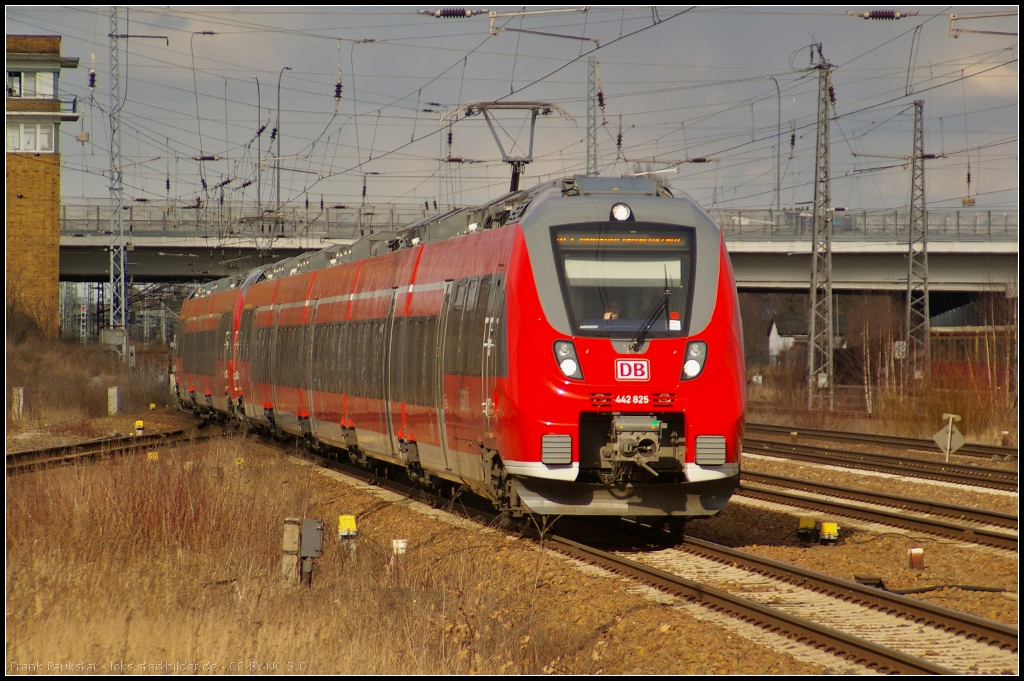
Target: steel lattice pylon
118,250
918,346
591,117
820,335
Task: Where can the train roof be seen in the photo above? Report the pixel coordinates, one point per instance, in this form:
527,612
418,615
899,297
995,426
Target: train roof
503,210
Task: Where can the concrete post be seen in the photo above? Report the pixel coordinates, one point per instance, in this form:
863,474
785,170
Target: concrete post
113,400
17,403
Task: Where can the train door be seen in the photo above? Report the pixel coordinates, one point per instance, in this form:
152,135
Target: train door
306,367
445,347
272,372
221,380
314,370
392,345
490,368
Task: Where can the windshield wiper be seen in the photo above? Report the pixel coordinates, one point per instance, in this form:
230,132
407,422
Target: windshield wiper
662,306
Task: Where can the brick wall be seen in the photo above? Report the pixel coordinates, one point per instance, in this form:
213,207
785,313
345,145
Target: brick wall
33,236
34,44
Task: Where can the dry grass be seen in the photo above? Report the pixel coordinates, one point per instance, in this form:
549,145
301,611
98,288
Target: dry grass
985,413
66,383
142,562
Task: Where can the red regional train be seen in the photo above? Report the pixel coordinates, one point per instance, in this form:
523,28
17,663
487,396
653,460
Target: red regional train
574,348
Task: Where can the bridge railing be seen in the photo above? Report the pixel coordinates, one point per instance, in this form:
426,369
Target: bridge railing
92,217
869,225
226,220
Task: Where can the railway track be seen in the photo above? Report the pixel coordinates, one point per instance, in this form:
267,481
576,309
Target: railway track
961,642
37,459
940,641
975,515
993,478
969,449
986,527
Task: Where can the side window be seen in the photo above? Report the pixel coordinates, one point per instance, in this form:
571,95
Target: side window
428,378
453,332
245,329
475,339
466,337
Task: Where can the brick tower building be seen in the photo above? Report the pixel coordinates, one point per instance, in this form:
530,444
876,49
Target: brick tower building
34,113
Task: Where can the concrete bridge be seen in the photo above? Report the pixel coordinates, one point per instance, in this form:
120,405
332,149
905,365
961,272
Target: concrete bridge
968,249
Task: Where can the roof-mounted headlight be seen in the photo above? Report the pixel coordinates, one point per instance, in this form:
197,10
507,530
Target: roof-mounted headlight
621,212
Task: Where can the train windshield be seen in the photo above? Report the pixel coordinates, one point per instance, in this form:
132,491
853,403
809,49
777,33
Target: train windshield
614,277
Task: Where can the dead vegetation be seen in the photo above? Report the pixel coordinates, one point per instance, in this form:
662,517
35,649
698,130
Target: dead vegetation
66,383
171,565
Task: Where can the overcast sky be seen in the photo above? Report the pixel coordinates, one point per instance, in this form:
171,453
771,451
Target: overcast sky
678,84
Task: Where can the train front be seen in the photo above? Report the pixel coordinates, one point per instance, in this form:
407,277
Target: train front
626,390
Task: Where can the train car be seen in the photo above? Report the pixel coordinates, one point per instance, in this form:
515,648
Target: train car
574,348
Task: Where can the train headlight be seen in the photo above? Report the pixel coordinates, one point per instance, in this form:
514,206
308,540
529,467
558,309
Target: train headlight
693,363
621,212
565,355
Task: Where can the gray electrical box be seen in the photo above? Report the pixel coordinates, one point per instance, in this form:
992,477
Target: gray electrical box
312,538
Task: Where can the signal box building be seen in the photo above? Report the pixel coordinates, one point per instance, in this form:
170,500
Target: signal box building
34,112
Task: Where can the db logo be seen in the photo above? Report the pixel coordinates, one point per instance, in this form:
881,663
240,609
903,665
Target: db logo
632,370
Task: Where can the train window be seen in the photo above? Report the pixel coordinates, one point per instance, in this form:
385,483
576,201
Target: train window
399,360
468,335
453,331
245,328
429,364
475,338
615,275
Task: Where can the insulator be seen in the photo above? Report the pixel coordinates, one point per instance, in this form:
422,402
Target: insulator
831,94
700,159
307,203
167,184
426,205
792,140
435,204
141,199
364,189
428,110
337,90
245,184
92,79
882,14
273,133
968,177
260,131
321,202
451,136
453,13
433,103
203,181
618,141
600,99
222,197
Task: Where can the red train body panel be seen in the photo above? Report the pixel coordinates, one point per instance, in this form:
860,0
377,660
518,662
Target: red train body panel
575,348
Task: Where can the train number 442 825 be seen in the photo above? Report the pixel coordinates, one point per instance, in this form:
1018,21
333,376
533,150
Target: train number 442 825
632,399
